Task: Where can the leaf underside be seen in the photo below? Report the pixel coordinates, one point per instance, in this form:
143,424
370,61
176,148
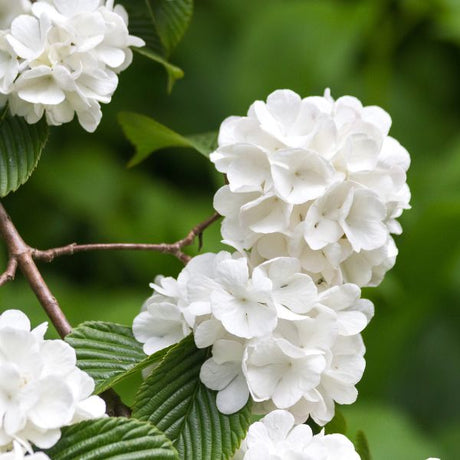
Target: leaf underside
149,136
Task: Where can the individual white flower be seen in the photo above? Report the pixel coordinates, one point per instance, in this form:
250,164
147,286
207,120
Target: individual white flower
344,368
277,370
160,324
68,55
315,179
243,302
300,175
41,389
353,313
223,373
292,291
277,437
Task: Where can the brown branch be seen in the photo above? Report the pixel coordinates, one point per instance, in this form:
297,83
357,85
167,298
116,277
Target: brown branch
22,254
174,249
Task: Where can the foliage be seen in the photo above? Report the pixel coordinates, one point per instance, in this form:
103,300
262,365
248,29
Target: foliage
148,136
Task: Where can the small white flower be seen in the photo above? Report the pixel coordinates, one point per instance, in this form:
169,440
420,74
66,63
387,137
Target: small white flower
41,389
224,374
277,437
277,370
344,369
241,303
300,175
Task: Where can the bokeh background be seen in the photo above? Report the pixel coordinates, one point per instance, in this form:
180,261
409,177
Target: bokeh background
403,55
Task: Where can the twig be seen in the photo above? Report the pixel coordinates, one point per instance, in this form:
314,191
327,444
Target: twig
21,253
174,249
10,271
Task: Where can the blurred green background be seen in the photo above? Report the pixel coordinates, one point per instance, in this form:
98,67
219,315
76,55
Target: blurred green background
403,55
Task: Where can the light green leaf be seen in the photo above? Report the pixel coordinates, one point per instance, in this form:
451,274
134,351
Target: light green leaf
112,438
108,352
174,399
21,145
148,136
362,446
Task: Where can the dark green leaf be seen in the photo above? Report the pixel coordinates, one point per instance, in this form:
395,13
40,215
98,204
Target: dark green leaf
112,438
362,446
148,136
174,399
172,19
161,24
108,352
338,424
21,145
142,24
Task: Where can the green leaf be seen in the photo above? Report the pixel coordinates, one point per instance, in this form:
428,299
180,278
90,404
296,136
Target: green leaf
362,446
21,145
161,24
112,438
174,399
108,352
338,424
174,72
172,19
148,136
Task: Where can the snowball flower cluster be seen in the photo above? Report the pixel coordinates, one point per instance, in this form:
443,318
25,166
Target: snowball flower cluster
274,334
61,57
315,179
41,389
276,437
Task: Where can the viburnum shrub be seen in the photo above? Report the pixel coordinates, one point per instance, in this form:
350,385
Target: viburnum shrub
245,354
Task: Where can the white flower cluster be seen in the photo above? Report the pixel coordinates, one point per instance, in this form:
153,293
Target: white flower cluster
60,58
315,179
314,189
276,437
274,335
41,389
